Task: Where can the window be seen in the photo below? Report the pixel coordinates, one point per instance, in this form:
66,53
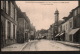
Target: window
15,14
61,27
70,24
9,30
7,7
25,25
75,12
66,26
70,37
55,32
12,10
13,31
4,5
1,4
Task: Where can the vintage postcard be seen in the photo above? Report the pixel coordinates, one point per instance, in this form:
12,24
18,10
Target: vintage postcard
40,25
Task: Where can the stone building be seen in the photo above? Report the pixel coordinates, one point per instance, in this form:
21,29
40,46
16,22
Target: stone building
32,32
15,24
8,22
75,32
67,26
61,32
23,31
50,32
57,36
71,26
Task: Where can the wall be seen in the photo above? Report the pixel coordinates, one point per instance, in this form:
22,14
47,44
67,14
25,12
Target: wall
2,31
6,15
67,27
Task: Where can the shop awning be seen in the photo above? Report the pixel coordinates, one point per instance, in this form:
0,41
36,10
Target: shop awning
57,35
61,33
74,31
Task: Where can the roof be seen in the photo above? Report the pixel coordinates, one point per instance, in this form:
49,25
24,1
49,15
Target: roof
60,22
70,14
26,17
75,8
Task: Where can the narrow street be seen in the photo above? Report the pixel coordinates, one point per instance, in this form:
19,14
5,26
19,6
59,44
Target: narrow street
40,25
41,45
47,45
31,46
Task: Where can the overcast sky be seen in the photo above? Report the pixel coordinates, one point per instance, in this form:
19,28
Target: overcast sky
41,14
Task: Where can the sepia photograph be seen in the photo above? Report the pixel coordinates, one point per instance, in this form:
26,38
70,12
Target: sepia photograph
40,25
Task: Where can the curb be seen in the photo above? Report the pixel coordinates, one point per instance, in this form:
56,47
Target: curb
24,46
70,45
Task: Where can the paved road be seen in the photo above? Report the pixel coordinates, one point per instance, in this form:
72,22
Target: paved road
47,45
31,46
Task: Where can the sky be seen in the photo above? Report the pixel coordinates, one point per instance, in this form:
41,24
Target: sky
41,13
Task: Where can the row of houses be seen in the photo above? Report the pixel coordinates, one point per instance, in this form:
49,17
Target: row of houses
42,34
15,24
69,28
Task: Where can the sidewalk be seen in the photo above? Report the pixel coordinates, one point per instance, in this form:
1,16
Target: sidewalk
14,47
76,45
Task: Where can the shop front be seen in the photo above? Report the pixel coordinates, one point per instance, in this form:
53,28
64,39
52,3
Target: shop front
62,36
57,37
74,35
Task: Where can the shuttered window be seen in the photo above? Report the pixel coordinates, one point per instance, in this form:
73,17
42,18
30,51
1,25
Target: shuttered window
1,4
12,10
7,7
13,31
15,14
9,30
4,6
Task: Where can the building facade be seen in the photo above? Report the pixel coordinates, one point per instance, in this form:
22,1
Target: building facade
23,31
75,32
67,27
50,33
8,22
71,26
15,25
32,32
